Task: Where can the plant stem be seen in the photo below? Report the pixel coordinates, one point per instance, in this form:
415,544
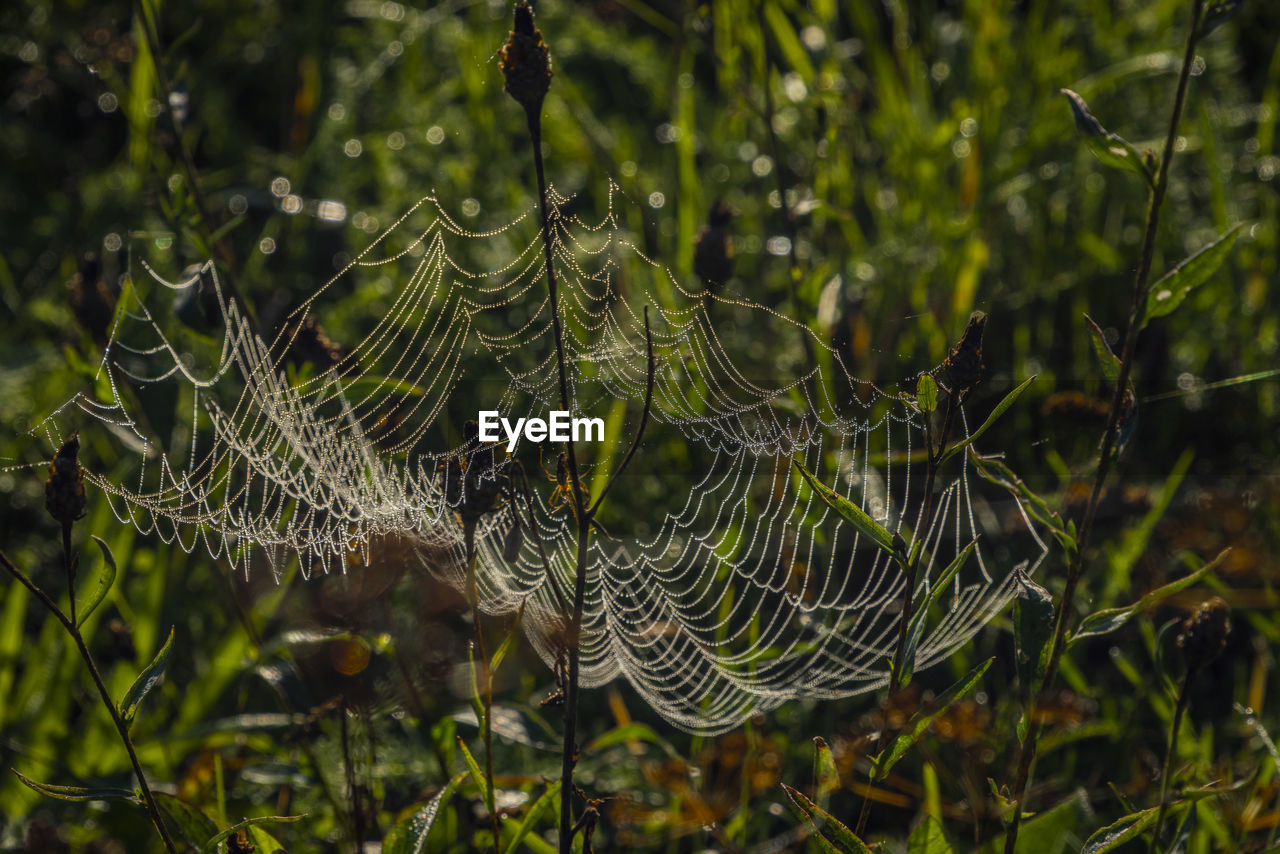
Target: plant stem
1178,712
1027,750
152,808
570,748
932,460
486,680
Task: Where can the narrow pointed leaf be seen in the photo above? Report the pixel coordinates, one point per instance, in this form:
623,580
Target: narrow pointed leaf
1108,620
915,630
532,816
921,720
1107,360
474,767
1112,149
212,844
1172,288
851,512
1001,408
928,838
826,777
1121,831
410,835
505,647
79,793
833,836
1033,619
1180,839
147,679
91,593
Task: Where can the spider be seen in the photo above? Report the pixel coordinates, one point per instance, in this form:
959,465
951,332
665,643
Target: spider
561,672
563,494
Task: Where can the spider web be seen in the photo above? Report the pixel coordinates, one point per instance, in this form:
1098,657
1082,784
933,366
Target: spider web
721,586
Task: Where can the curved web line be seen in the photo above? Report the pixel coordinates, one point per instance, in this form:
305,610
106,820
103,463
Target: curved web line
739,592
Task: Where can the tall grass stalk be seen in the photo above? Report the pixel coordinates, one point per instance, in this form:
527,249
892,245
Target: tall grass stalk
1027,748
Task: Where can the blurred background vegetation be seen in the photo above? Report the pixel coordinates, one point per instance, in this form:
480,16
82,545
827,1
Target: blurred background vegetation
917,160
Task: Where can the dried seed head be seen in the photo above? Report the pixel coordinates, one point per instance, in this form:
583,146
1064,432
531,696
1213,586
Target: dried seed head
525,62
64,490
964,362
1203,635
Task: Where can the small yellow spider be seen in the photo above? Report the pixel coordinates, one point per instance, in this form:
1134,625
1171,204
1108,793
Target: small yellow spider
563,494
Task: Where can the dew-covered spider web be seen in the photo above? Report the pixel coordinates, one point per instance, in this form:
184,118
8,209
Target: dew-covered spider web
718,585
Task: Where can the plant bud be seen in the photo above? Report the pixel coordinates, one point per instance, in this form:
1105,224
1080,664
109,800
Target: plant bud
964,362
525,62
64,490
1203,635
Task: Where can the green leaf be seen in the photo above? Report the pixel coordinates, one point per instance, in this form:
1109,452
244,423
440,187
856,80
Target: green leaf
1112,149
926,393
915,629
921,720
1172,288
851,513
1033,621
265,843
833,836
826,777
1108,620
1053,831
78,793
631,732
192,825
1121,831
532,817
1107,360
928,838
505,647
410,835
1001,408
474,767
91,592
147,679
212,844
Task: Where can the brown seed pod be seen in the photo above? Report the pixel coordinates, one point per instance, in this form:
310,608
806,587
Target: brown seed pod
1203,635
964,362
64,490
525,62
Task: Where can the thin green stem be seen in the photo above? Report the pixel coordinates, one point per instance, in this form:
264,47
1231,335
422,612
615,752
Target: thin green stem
1179,711
486,679
933,458
153,808
1142,286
